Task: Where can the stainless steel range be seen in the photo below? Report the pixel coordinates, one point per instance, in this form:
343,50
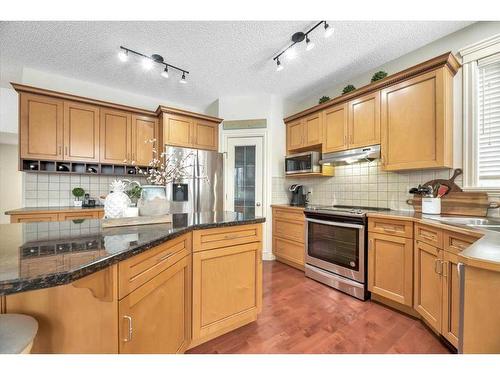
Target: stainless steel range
336,247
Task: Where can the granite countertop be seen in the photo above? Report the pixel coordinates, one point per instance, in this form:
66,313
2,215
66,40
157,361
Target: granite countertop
39,210
42,255
483,253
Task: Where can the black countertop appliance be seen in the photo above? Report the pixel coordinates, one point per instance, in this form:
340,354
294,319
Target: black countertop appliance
298,197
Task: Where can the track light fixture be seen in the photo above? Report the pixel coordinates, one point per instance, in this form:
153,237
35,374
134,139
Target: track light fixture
290,52
148,62
279,67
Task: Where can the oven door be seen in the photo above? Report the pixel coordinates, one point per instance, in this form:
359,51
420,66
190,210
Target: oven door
336,247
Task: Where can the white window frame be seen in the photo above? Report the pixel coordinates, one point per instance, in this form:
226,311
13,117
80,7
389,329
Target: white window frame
470,55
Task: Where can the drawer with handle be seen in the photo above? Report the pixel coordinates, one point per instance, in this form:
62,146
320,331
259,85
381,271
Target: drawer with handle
207,239
291,214
401,228
136,271
428,234
457,242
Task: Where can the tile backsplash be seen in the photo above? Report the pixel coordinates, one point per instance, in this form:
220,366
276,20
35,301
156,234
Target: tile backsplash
42,190
361,184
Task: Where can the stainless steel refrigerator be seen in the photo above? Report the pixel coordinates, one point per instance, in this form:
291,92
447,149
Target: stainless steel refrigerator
203,188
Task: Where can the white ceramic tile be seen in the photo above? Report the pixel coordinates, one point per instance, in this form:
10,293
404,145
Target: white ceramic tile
43,186
30,202
54,178
43,177
30,194
54,186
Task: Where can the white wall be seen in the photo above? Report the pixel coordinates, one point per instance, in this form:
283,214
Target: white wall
269,107
11,181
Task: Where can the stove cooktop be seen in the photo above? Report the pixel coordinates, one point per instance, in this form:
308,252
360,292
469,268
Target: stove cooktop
346,210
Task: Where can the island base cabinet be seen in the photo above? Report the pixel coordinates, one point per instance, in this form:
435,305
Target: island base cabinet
78,318
155,318
227,289
451,291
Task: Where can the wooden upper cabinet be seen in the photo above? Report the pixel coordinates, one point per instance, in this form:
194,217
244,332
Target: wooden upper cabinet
335,128
115,137
144,129
417,122
177,130
390,272
41,127
294,135
364,120
313,130
156,317
428,283
205,134
81,132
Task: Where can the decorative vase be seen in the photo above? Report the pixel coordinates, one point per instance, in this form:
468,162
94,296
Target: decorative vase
117,201
153,201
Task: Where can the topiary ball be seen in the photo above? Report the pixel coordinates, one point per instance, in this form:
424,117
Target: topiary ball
348,88
323,99
379,75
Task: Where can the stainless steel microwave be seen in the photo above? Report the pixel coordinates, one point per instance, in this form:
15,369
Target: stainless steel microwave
305,162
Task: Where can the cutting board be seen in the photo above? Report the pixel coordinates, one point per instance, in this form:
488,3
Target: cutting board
139,220
460,203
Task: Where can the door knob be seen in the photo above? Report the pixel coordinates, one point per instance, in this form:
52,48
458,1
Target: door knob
257,204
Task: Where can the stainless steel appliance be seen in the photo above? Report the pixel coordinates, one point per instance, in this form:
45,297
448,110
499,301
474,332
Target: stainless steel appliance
305,162
298,197
336,247
202,189
351,156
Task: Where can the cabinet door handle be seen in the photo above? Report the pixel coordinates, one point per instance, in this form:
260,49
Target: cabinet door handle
370,247
60,150
436,262
165,257
444,267
66,150
130,329
345,139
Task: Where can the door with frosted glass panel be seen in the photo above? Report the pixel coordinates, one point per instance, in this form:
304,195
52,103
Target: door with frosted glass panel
244,175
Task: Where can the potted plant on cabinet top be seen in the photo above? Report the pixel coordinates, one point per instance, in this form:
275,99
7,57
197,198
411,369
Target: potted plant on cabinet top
78,193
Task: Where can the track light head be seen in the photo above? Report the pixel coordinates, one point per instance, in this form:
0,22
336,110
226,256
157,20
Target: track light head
279,67
147,63
183,79
123,55
164,74
328,30
309,44
291,53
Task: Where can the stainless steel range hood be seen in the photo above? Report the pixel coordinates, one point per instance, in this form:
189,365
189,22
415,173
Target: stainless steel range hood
351,156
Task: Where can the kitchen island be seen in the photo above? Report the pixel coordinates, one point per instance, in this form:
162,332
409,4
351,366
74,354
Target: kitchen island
142,289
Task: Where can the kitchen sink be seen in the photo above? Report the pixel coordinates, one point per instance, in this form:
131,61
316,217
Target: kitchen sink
476,222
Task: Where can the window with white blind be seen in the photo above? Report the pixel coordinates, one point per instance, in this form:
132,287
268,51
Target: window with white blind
481,120
488,134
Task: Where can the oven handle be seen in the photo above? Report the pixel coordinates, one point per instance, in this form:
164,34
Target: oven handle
336,223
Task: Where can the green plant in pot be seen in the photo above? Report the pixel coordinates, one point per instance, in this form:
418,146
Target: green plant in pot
323,99
134,194
379,75
78,193
348,89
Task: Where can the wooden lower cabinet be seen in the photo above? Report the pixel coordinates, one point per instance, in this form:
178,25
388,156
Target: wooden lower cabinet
428,283
289,236
390,262
451,297
155,318
227,289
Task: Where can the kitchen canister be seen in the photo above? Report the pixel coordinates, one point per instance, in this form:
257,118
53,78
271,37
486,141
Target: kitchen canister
431,205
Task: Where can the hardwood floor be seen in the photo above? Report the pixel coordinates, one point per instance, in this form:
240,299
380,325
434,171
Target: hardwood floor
300,315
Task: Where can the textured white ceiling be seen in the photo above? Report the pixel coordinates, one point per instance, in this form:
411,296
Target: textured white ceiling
224,58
